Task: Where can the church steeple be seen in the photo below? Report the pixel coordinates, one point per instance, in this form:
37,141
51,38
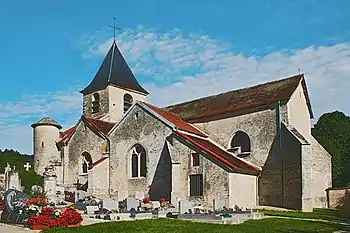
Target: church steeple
114,71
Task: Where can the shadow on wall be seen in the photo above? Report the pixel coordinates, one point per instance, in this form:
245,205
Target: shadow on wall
162,181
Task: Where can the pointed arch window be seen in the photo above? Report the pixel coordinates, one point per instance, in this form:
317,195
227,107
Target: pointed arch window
95,103
138,161
241,141
86,161
127,102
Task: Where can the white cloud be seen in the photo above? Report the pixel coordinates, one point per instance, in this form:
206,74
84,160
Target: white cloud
198,65
179,67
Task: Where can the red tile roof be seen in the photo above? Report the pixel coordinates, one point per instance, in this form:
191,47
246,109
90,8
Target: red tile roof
219,154
176,120
67,134
101,126
91,166
241,99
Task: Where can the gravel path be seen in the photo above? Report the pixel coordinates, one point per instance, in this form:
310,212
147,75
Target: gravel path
7,228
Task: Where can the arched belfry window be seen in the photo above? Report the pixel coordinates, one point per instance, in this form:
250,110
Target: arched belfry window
95,103
87,160
242,140
127,102
138,161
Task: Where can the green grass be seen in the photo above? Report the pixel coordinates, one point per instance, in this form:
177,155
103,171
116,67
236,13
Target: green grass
324,214
270,225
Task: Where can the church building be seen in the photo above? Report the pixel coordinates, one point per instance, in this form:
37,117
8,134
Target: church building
247,147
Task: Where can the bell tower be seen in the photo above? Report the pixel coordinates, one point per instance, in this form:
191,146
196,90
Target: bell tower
113,90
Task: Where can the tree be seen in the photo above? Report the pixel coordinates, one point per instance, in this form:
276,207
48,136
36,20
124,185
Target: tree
14,158
332,130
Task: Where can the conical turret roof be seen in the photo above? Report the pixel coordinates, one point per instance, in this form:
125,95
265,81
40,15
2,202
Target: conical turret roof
114,71
47,121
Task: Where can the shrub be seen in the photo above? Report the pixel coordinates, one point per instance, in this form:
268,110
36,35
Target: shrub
30,178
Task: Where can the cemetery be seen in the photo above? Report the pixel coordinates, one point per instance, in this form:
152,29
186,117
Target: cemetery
50,206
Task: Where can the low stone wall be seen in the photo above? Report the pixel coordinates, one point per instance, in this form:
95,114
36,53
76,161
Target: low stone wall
337,198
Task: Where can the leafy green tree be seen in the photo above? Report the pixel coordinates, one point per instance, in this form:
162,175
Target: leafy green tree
14,158
30,178
332,130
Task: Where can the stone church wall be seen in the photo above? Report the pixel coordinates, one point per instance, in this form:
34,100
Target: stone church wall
215,178
83,140
260,127
104,103
138,127
321,173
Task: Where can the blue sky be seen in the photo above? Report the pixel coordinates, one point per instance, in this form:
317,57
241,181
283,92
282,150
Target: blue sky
178,50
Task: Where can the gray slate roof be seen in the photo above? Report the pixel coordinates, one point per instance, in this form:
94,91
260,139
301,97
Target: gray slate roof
114,71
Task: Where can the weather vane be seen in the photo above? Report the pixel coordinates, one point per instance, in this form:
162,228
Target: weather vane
114,27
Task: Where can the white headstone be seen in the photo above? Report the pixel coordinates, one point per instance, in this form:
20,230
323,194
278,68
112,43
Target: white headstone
50,180
185,206
132,202
218,204
90,210
156,204
110,204
140,195
13,181
122,195
27,166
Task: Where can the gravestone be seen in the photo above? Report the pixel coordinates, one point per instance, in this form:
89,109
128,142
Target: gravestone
90,210
132,203
185,206
218,204
122,195
69,196
12,179
50,179
156,204
11,212
140,195
109,204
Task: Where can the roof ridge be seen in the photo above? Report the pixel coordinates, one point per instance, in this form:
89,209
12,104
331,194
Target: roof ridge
239,89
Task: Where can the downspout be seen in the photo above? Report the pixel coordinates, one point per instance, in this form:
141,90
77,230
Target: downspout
109,166
279,146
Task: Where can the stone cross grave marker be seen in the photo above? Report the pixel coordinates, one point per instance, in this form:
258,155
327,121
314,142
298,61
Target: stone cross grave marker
27,166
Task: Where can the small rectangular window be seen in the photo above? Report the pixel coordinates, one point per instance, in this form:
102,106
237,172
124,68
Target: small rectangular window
195,159
196,185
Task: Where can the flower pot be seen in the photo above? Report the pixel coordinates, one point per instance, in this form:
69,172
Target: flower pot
37,227
75,225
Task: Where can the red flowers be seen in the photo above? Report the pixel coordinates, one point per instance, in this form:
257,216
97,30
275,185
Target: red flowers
162,199
146,200
47,211
71,216
40,220
47,218
38,201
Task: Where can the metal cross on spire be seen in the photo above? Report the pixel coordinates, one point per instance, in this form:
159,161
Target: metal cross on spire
114,28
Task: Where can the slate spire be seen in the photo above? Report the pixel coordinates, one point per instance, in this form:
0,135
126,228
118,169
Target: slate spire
114,71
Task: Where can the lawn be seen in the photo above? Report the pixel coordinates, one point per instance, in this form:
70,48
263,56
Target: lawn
324,214
270,225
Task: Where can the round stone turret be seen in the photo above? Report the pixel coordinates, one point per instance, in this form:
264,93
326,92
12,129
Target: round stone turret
46,134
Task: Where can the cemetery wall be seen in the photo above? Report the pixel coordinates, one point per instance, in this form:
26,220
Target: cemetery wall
138,127
337,197
83,140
